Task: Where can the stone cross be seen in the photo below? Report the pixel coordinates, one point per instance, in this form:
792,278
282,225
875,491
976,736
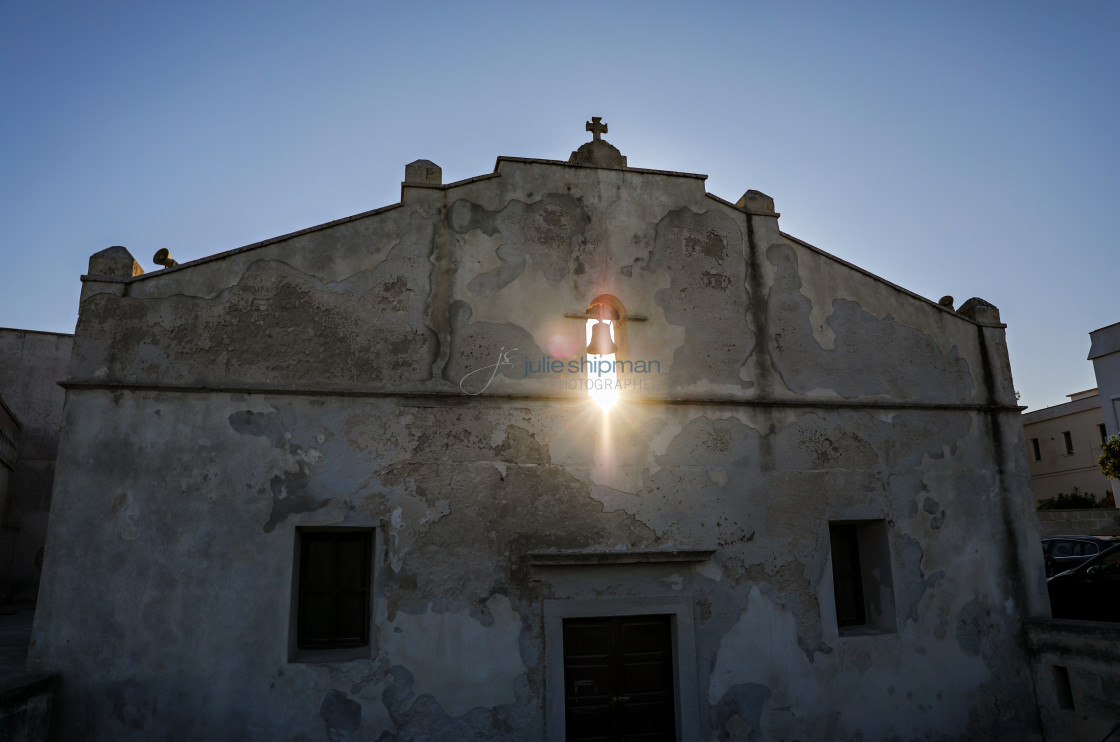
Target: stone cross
596,127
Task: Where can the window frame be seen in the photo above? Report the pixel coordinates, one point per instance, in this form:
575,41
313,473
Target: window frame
300,650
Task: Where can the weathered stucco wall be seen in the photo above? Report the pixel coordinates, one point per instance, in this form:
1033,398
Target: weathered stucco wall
319,380
410,299
31,366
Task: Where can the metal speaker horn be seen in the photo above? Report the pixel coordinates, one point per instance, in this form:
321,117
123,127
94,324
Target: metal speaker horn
601,343
163,257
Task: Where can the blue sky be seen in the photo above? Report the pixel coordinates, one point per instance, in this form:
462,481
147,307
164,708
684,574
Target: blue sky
960,148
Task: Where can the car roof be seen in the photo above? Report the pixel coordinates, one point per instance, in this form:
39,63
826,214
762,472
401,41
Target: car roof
1084,538
1087,563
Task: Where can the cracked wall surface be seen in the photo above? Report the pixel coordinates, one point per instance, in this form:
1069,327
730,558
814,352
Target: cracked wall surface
377,373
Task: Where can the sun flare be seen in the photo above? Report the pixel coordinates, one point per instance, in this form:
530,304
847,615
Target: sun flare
602,379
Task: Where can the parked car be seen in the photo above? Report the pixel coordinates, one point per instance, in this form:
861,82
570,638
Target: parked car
1091,591
1067,552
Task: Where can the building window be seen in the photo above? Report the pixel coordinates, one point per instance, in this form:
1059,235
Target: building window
333,588
1063,686
1103,432
1069,442
861,577
1037,450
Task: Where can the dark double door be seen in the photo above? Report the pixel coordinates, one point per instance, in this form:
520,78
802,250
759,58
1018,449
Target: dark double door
618,679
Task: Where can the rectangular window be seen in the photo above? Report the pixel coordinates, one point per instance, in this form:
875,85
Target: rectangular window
1063,687
1037,450
1104,433
861,577
1069,442
333,588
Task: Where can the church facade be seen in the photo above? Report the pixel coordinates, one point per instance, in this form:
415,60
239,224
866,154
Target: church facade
566,451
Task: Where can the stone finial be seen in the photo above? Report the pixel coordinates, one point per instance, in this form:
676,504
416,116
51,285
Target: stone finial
598,152
757,202
978,310
116,262
945,301
596,127
424,172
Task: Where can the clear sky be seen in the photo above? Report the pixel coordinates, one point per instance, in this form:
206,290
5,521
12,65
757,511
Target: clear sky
963,148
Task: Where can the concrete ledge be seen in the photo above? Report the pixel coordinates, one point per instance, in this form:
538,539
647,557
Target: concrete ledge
1076,666
568,558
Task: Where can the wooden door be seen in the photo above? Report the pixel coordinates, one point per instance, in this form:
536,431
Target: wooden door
618,679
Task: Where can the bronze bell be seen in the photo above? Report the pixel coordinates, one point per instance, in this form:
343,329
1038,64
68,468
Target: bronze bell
601,343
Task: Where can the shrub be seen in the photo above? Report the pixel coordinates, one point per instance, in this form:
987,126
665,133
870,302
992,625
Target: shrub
1109,462
1075,499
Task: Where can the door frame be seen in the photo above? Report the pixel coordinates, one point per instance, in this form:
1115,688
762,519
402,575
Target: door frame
679,610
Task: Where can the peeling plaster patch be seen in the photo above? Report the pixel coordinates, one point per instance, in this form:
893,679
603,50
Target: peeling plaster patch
424,719
125,513
334,511
795,588
522,447
767,634
614,499
460,662
671,490
815,442
442,508
365,329
854,367
707,295
910,591
709,569
290,497
623,480
342,716
477,346
497,436
396,554
544,234
705,442
741,711
674,581
976,630
719,476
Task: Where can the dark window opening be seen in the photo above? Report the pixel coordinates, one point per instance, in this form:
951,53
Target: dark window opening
861,577
1065,690
334,589
1037,450
1103,432
847,576
1069,442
